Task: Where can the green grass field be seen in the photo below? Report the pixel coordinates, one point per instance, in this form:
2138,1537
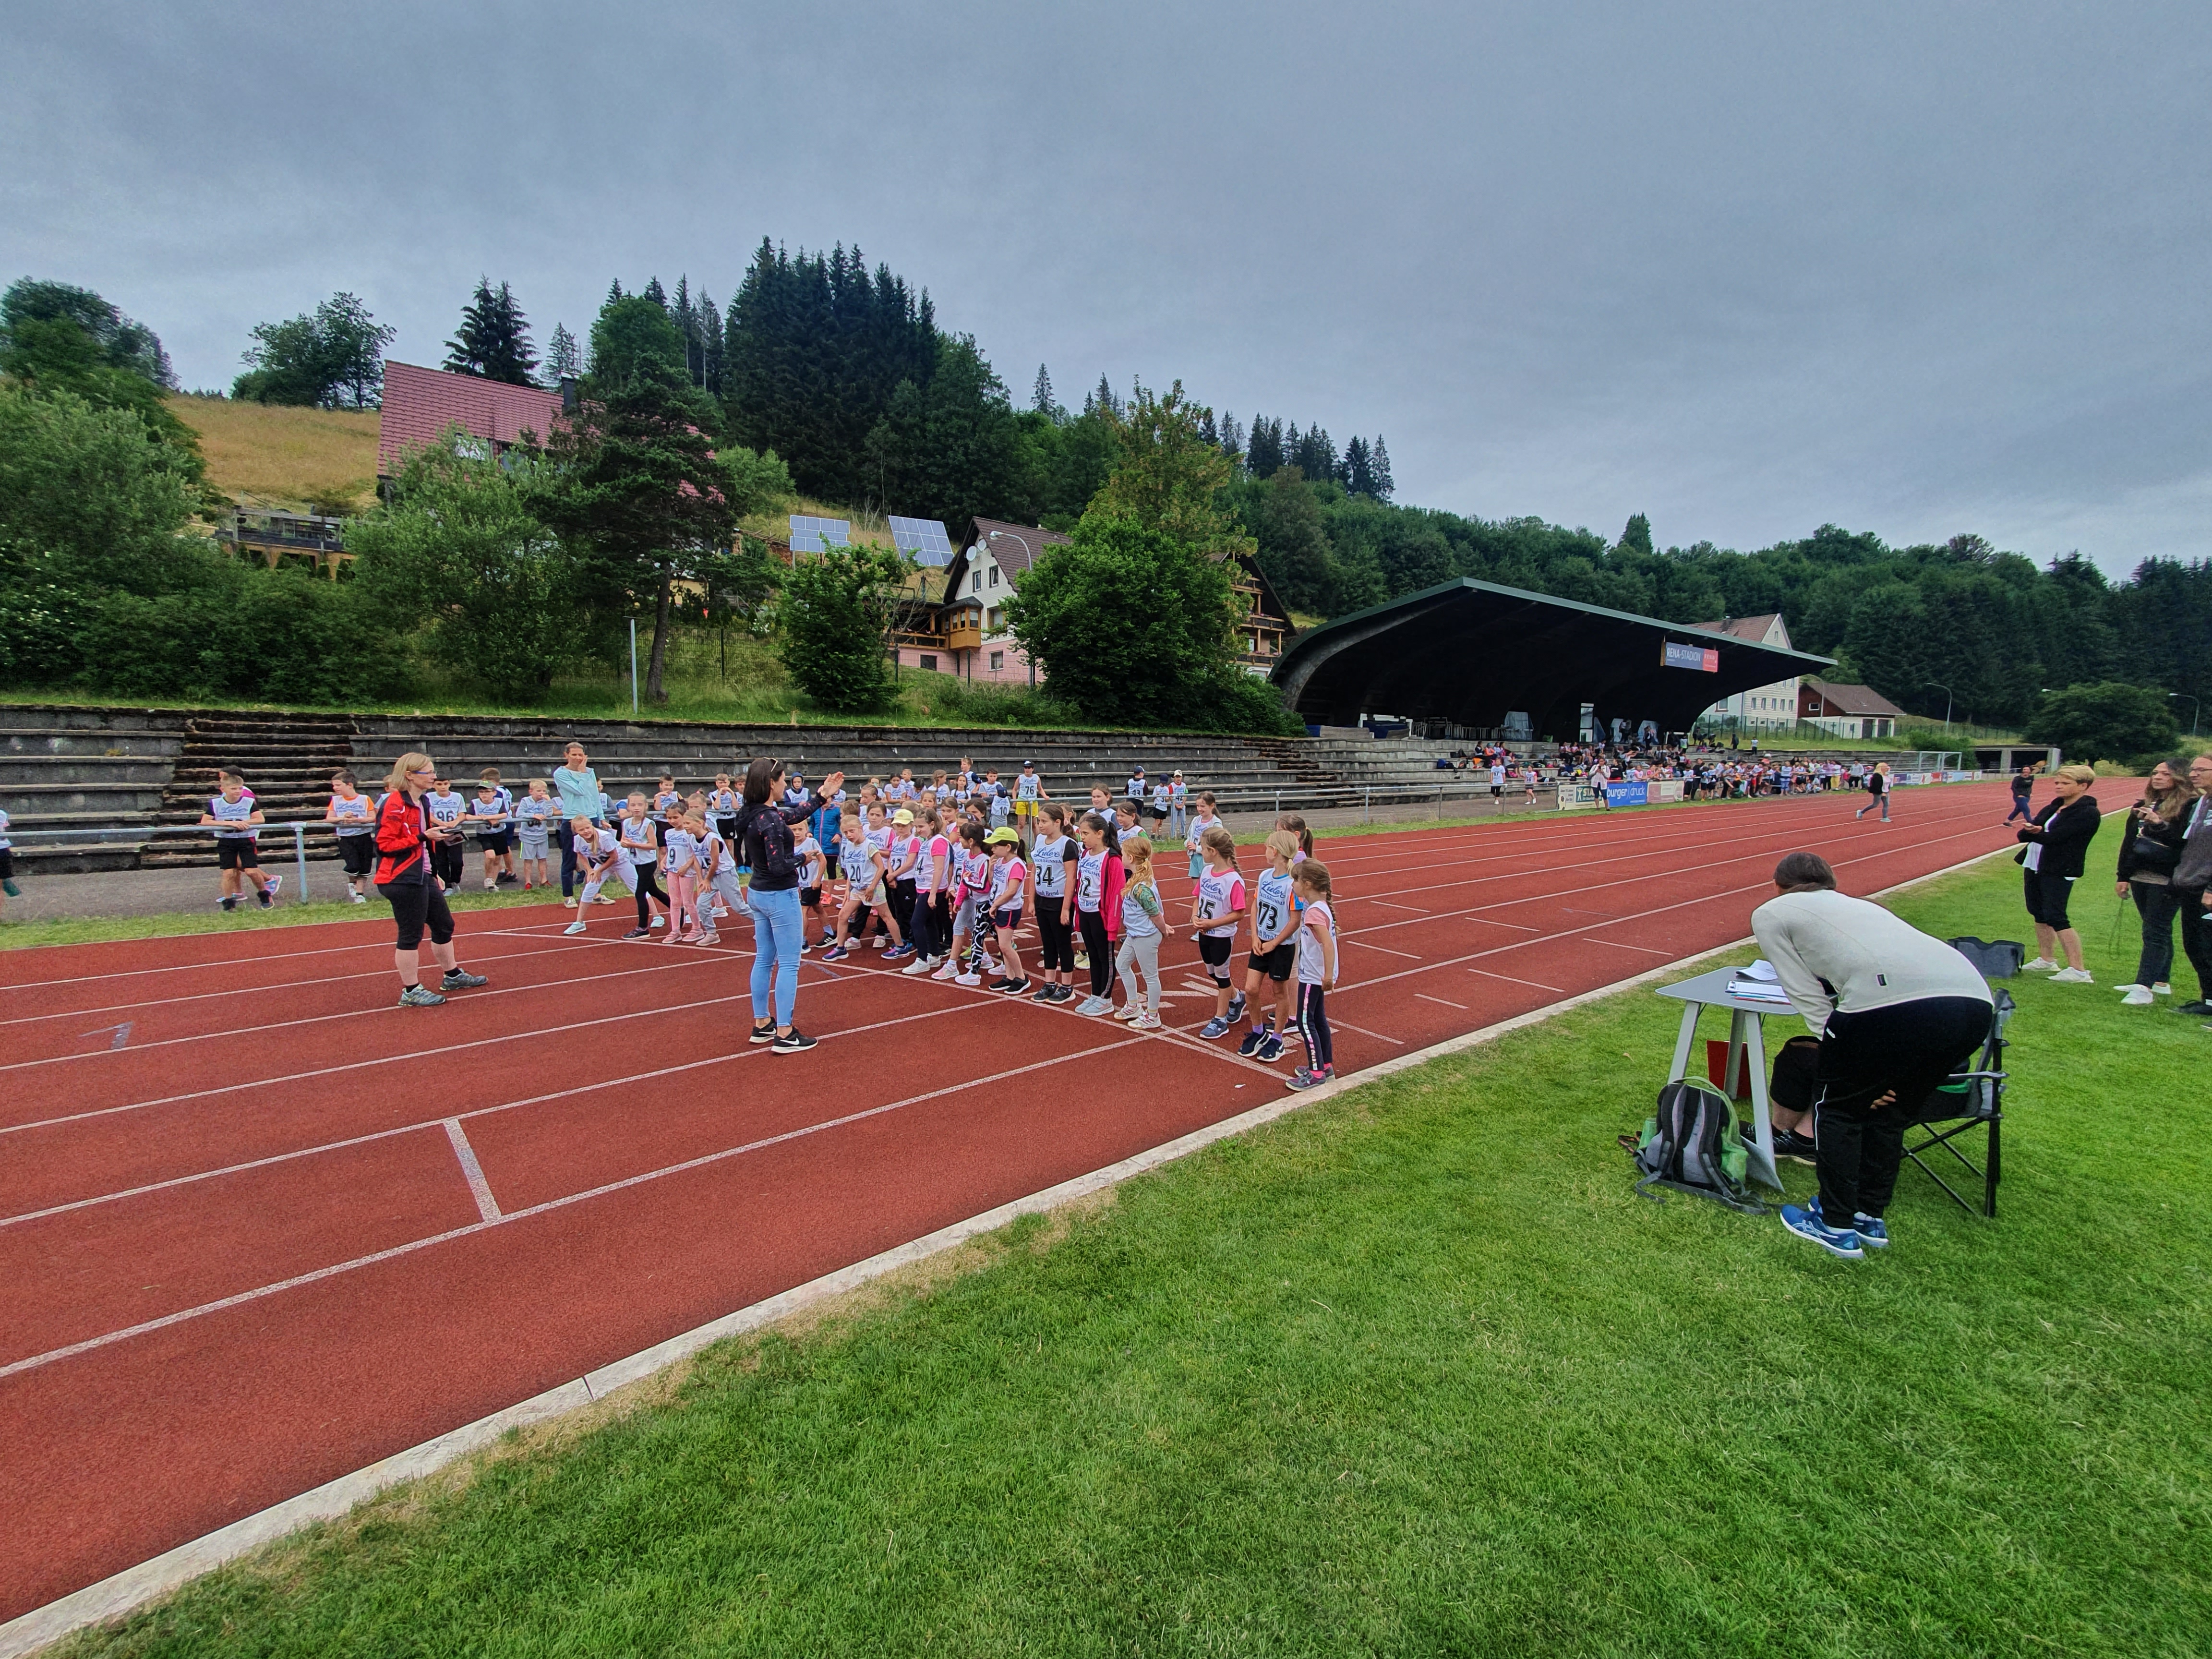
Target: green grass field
1413,1371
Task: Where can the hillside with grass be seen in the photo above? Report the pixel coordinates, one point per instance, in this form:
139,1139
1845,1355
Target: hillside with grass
272,455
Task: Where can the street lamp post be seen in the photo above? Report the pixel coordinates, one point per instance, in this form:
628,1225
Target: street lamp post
1014,535
2183,696
1945,690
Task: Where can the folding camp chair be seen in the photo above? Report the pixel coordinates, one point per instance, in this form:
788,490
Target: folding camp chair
1972,1096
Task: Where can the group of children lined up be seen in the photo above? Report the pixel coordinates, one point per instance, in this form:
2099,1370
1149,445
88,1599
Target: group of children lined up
951,892
505,828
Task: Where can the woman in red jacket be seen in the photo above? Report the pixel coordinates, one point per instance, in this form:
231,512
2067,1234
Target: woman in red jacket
403,876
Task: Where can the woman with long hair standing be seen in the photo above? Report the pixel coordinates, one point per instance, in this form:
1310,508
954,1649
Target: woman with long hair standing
2151,846
403,838
779,931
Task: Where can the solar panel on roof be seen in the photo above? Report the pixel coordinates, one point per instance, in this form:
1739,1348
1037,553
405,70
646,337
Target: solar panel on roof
923,538
812,535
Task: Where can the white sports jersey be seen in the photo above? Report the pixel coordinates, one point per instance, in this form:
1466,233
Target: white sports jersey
352,817
593,845
1007,881
1312,969
534,812
234,814
1089,881
723,803
1271,905
4,843
637,841
1025,786
856,859
683,850
1220,893
501,806
1052,866
809,849
448,808
1198,829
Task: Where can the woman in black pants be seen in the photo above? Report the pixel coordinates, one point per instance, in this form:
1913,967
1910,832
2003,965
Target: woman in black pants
2150,848
1895,1011
2052,859
405,838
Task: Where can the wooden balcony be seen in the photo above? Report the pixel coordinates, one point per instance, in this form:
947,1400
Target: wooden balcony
964,637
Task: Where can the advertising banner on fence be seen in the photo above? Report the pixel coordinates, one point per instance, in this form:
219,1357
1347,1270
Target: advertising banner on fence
1572,795
1625,794
1664,789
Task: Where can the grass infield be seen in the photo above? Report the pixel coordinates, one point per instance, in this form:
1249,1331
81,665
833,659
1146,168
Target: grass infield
1413,1371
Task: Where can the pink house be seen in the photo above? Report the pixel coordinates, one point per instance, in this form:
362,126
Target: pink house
421,402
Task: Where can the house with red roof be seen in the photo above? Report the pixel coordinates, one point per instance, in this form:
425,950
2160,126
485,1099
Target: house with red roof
419,404
1765,708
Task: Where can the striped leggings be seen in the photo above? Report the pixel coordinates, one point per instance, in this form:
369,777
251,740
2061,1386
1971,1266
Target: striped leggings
1312,1025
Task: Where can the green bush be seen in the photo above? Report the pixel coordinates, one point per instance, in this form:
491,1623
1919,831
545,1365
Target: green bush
2109,720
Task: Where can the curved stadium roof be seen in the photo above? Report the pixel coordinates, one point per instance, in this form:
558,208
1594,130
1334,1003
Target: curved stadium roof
1472,652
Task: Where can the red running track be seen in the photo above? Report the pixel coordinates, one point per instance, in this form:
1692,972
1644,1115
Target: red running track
259,1228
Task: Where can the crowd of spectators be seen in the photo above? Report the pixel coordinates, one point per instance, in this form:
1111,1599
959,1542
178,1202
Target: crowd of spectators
1706,773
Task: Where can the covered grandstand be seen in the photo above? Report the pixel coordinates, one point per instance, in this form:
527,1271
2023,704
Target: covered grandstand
1473,654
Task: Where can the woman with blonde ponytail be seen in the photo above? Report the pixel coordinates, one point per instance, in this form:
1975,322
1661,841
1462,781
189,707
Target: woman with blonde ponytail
404,839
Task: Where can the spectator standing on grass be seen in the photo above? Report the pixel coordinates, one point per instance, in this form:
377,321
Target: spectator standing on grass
2192,886
2056,841
779,931
405,833
1894,1011
2151,846
578,786
2023,788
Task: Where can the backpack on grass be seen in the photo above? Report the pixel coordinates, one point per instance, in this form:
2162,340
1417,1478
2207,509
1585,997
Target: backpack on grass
1692,1144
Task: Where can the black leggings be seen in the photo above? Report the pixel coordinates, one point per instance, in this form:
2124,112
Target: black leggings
649,886
1093,923
1312,1025
447,859
933,918
903,908
413,905
1055,940
1907,1049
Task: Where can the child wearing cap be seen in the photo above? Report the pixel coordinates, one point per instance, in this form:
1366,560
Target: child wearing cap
1009,896
1028,790
905,853
1178,804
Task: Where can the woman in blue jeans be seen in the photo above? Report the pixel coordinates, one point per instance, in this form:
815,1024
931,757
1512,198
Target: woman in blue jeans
765,843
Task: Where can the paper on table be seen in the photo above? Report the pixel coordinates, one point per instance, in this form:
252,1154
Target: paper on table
1757,990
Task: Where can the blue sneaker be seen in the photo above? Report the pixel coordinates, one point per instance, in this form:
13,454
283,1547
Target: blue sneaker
836,953
1253,1039
1836,1241
1270,1051
1218,1027
1874,1233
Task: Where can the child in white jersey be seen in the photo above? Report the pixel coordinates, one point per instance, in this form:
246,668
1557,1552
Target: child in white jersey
862,861
903,855
354,814
1098,874
1217,906
534,816
490,816
814,869
970,881
1316,975
641,851
679,863
1144,925
1204,819
1004,902
1274,919
1052,889
599,856
933,863
233,813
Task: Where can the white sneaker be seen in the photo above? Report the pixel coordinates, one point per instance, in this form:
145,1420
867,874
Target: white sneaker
1149,1023
967,979
2138,996
567,904
2073,976
1129,1012
2040,965
573,927
946,970
919,965
2131,985
358,898
2162,989
490,883
660,921
880,941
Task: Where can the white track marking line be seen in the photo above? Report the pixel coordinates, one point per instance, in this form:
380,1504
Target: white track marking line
1388,905
1348,1026
1539,984
1618,945
658,1072
1353,938
487,1206
316,1275
1440,1001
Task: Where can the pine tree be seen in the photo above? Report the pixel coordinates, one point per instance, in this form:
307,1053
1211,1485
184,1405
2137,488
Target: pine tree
1384,486
1105,399
1358,471
1208,430
614,290
494,339
1637,536
1232,436
1264,456
1040,399
654,292
562,361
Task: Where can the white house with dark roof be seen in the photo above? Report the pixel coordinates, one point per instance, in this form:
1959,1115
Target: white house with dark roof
1765,708
1849,711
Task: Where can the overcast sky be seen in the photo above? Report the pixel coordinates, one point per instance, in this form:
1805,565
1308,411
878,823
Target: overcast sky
1917,269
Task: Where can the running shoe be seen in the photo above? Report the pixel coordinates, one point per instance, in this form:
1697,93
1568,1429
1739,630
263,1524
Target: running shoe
763,1033
1306,1078
919,965
1236,1008
567,904
1787,1143
2040,965
897,952
836,953
968,979
1836,1241
1045,994
1253,1041
1063,993
710,938
263,899
1001,982
1093,1006
695,937
793,1042
508,880
225,905
1270,1051
1149,1023
358,898
1215,1028
603,899
420,996
270,892
1874,1233
880,941
2073,976
489,884
639,932
1013,987
573,927
461,979
660,921
946,968
1129,1011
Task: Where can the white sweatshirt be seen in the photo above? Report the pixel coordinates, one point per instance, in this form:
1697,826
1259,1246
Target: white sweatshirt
1836,954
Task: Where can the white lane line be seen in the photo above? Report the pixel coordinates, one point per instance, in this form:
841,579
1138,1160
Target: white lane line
1440,1001
653,1075
1618,946
1539,984
1353,938
487,1206
1387,905
1348,1026
316,1275
1492,921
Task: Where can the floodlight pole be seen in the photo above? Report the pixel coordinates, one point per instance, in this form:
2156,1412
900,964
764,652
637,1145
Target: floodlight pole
633,665
2183,696
1945,690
